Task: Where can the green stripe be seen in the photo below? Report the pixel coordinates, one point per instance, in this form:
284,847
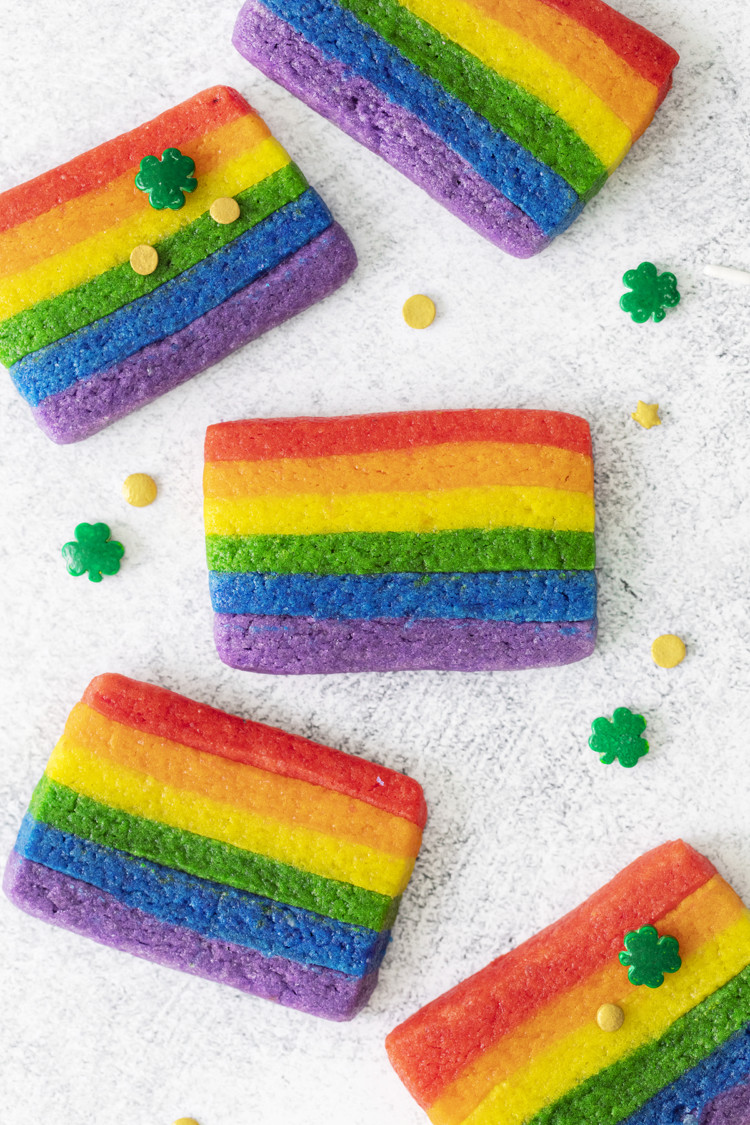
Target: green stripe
505,104
68,811
619,1090
50,320
470,551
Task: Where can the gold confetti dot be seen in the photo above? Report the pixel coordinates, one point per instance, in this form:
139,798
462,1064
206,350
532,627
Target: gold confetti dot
185,1121
225,210
139,489
144,259
610,1017
419,311
668,650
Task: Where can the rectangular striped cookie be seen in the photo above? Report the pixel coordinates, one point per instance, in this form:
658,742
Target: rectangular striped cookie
219,846
453,539
634,1009
511,113
90,330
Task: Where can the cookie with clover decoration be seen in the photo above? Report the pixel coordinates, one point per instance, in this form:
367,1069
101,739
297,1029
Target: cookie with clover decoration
133,267
633,1008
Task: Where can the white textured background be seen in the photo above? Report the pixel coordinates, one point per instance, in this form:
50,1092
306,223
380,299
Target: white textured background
524,820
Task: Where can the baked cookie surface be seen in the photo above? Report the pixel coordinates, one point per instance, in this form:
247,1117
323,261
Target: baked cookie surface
530,1039
112,294
450,539
219,846
511,113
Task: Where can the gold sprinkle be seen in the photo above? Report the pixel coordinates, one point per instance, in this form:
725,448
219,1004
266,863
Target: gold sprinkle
185,1121
668,650
225,210
139,489
610,1017
419,311
647,414
144,259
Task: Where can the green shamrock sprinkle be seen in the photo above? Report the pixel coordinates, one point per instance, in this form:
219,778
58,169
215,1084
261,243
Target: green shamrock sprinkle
620,738
165,180
653,293
93,551
649,956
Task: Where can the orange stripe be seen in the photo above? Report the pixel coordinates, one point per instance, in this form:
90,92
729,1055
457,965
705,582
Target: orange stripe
700,917
109,206
240,786
630,96
454,465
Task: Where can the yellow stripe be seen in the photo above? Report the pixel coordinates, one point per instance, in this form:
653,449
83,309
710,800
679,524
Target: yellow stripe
107,249
648,1014
488,507
516,58
301,847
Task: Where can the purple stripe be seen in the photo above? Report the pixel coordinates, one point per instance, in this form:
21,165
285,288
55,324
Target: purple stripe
84,909
730,1108
307,276
289,645
361,110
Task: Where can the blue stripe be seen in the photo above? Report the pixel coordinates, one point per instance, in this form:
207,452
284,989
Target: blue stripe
211,909
508,166
174,305
683,1100
516,595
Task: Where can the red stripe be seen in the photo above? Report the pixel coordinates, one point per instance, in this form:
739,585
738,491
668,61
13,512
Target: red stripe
648,55
265,439
95,168
165,714
432,1047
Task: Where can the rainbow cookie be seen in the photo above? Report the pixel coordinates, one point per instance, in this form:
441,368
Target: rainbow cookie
94,324
456,539
511,113
219,846
530,1040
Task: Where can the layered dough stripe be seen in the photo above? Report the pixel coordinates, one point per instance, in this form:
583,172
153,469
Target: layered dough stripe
71,812
571,86
460,540
209,908
239,784
488,180
52,319
164,714
73,310
90,912
291,439
175,304
512,596
307,276
449,465
219,846
444,510
519,1043
145,795
469,550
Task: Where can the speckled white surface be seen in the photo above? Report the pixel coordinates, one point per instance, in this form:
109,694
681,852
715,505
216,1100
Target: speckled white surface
524,821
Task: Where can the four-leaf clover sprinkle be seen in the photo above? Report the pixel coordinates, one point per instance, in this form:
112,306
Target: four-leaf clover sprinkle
166,179
649,956
93,551
620,738
652,293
